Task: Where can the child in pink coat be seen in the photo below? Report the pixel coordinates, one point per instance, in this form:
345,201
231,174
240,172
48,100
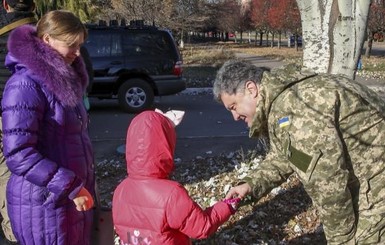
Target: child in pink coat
148,207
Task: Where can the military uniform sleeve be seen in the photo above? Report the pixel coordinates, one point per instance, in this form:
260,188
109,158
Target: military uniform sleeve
272,172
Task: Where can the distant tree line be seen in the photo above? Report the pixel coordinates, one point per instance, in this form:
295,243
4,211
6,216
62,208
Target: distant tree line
196,19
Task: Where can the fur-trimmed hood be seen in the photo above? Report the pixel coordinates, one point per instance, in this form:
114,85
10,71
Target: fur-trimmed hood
26,51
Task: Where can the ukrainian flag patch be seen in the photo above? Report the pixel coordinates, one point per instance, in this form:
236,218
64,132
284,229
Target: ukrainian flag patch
283,122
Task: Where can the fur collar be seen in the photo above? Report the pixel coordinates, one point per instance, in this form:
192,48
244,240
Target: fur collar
66,82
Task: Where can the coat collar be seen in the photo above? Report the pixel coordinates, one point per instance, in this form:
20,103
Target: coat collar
45,65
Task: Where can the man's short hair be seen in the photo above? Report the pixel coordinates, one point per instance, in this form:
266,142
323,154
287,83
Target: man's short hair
20,5
233,75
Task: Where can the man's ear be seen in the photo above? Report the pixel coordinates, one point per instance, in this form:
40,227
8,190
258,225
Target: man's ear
252,88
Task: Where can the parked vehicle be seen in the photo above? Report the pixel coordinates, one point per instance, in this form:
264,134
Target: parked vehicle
133,63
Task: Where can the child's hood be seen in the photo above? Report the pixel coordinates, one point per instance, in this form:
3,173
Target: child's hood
150,146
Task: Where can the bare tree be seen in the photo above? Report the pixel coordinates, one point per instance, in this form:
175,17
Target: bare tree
230,17
333,34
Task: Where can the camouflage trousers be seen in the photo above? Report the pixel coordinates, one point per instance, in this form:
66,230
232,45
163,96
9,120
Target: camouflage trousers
370,228
4,177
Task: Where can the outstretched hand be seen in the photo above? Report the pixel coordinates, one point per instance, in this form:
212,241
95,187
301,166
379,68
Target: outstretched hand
83,200
174,115
233,203
239,191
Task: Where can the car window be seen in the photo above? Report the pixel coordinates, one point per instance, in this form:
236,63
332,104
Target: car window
142,44
104,44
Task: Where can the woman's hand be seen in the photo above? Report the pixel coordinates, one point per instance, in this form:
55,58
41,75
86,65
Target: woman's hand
83,200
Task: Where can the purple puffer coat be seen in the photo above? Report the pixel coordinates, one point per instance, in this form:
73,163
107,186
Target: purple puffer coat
46,143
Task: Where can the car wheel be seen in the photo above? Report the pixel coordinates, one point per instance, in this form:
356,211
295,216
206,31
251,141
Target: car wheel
135,95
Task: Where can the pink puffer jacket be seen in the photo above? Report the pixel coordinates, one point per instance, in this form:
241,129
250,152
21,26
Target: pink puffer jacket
147,206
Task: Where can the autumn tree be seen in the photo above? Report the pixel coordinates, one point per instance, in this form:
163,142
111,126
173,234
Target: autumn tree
292,20
333,33
148,10
376,23
259,17
277,17
192,16
226,17
234,17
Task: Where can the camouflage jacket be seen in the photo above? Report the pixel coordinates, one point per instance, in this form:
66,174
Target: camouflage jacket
326,129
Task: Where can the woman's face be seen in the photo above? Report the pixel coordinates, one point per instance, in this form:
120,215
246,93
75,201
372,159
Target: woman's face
68,52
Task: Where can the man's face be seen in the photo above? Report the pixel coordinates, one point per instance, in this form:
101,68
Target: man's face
242,105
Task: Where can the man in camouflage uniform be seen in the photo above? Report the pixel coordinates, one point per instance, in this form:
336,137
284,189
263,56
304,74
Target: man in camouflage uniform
14,14
327,129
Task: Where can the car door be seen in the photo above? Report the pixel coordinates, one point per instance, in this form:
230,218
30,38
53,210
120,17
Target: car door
105,49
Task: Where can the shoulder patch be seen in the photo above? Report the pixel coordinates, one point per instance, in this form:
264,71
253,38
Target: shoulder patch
283,122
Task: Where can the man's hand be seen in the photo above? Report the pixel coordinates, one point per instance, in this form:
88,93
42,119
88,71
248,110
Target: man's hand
239,191
83,200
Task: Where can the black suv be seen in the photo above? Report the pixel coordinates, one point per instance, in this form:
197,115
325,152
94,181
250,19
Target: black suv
133,63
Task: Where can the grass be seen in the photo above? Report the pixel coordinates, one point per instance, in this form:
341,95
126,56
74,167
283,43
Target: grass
201,61
282,53
373,64
209,55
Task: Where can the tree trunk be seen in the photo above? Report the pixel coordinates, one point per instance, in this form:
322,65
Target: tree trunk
368,50
333,34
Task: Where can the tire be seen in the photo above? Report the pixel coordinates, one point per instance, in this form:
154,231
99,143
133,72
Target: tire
135,95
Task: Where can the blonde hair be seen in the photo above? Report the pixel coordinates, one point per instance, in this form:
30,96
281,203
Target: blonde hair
61,25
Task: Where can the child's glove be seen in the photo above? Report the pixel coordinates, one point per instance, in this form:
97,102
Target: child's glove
83,200
233,203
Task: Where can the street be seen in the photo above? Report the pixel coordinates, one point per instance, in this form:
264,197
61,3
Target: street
207,128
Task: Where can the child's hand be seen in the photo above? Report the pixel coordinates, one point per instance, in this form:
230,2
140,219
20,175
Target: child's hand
233,203
83,200
174,115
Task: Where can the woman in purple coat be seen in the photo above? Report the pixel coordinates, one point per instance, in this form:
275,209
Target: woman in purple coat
46,142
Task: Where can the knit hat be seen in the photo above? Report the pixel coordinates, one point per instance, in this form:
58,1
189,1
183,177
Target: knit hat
21,5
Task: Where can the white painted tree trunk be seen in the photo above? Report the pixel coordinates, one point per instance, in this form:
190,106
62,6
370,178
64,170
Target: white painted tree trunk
333,33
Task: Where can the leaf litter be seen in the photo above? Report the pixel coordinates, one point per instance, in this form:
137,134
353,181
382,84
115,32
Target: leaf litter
284,216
